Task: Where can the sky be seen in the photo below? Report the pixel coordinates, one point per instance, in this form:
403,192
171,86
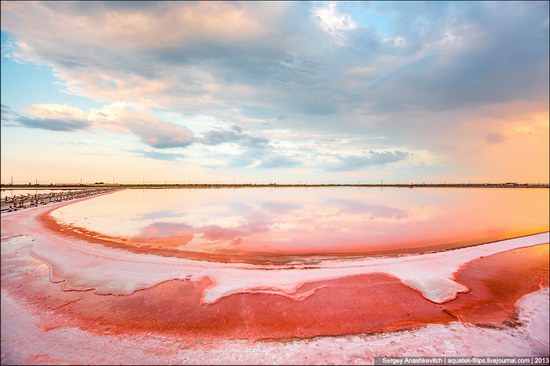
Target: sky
286,92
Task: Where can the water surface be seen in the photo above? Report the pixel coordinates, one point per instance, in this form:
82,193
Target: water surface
310,221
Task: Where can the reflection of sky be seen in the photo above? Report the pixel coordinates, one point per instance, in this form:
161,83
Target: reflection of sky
373,211
293,221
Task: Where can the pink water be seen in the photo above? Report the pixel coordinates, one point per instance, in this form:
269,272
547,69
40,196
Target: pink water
294,222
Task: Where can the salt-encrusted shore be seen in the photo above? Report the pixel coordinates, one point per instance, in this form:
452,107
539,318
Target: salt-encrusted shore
42,324
25,342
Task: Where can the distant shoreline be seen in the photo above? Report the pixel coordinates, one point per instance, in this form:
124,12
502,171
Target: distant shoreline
272,185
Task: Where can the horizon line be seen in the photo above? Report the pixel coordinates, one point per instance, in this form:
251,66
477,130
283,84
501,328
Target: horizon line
272,184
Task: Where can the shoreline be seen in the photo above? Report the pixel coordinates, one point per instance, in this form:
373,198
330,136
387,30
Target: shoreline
275,185
16,203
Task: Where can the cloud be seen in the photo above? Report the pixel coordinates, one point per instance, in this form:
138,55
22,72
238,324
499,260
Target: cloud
278,162
374,158
467,61
8,116
160,155
233,135
55,117
158,133
279,58
152,130
255,151
6,110
131,26
57,111
53,124
333,21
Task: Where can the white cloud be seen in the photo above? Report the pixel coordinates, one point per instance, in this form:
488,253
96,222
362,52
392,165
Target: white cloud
57,111
119,117
333,21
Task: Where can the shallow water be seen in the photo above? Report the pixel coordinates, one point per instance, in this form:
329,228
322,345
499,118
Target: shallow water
314,221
